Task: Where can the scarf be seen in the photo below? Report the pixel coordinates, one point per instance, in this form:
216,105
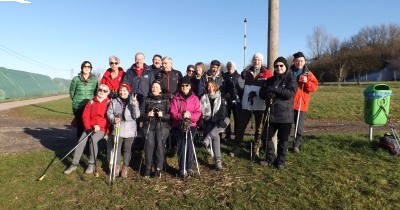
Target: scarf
206,105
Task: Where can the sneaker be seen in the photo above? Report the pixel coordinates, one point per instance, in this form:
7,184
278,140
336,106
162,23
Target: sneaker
124,172
280,167
218,166
158,173
296,150
266,163
89,169
70,169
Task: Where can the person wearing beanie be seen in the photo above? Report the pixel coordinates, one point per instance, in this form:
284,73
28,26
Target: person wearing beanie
156,117
251,103
185,113
307,83
123,112
278,93
215,74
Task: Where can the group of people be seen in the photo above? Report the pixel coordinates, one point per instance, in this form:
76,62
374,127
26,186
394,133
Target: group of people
147,102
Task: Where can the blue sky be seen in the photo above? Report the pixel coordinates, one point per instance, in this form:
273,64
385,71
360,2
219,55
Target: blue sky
53,37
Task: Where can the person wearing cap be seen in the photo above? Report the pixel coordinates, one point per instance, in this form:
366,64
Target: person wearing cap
278,93
157,64
251,102
215,74
185,113
81,90
233,95
168,77
123,111
307,83
94,120
157,126
113,76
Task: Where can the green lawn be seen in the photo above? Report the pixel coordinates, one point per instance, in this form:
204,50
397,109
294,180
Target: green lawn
344,171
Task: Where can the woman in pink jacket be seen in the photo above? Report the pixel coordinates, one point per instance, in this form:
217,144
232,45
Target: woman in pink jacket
185,112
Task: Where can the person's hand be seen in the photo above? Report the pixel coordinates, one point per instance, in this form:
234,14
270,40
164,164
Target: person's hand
134,100
187,114
96,128
151,113
303,78
160,114
117,120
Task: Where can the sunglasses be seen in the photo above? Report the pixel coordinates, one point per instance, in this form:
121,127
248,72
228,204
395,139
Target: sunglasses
115,63
102,90
185,85
190,70
281,65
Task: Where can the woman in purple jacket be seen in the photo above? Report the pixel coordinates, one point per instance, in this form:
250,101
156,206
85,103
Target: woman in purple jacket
185,112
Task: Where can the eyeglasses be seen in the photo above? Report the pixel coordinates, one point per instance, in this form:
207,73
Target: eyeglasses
115,63
87,66
102,90
281,65
185,85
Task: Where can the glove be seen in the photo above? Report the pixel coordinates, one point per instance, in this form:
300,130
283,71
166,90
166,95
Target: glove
222,124
270,98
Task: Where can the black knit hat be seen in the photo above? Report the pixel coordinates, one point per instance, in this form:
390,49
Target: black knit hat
215,62
185,80
282,60
298,55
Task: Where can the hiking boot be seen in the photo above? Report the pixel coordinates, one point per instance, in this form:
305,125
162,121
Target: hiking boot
235,151
190,172
182,175
296,149
70,169
89,169
147,173
124,172
280,167
158,173
266,163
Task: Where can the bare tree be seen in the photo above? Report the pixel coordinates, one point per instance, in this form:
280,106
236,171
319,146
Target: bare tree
318,42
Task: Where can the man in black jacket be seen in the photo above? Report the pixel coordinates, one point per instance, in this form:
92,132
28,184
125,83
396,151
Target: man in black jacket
169,77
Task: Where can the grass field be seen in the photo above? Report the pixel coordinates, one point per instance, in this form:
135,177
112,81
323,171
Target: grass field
344,171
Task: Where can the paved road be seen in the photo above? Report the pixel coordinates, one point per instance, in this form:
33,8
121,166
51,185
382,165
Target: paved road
13,104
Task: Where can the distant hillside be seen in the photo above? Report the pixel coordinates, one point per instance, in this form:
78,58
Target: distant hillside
21,84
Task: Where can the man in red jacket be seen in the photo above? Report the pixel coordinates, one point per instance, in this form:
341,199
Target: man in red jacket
307,83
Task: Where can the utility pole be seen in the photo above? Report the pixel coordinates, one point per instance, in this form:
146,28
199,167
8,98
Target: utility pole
273,32
244,45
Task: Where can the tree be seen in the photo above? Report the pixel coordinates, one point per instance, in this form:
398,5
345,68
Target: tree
317,42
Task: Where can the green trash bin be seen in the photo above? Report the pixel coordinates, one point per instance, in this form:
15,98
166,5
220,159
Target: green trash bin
376,104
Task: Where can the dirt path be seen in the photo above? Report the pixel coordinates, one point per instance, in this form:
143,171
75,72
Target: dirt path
14,104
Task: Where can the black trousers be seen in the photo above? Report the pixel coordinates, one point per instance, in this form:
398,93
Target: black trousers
283,138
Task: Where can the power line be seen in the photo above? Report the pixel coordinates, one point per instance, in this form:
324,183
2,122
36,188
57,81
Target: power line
29,60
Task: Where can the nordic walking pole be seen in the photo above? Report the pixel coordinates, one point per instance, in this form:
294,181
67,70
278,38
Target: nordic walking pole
194,152
266,120
115,154
184,159
51,162
298,112
145,142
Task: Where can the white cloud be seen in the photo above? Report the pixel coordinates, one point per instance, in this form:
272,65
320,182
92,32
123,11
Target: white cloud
19,1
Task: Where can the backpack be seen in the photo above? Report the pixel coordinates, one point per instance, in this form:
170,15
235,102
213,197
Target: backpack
389,142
